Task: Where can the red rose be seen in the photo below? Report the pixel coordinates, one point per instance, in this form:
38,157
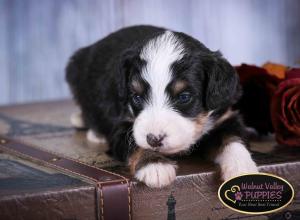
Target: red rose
258,88
285,110
293,73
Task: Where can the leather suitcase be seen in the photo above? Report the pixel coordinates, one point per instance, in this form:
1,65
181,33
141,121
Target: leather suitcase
48,170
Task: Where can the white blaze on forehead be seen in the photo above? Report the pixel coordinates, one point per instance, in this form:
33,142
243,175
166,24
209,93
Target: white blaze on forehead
160,53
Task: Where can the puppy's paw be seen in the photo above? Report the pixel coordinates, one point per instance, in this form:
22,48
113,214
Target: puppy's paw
94,138
235,160
157,175
235,169
77,120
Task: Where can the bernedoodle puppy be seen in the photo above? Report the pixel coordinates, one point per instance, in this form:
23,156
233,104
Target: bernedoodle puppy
155,93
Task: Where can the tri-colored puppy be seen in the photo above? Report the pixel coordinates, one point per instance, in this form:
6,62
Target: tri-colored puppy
153,93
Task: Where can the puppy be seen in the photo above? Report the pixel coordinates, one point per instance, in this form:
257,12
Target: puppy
154,93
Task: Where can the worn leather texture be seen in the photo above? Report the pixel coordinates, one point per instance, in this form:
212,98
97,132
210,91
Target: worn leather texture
109,185
192,196
32,191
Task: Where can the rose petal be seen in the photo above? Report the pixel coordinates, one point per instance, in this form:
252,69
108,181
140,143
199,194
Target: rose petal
297,109
275,69
292,107
288,83
285,112
290,128
258,88
293,73
288,141
286,100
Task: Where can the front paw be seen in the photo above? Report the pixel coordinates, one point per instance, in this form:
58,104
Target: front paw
235,160
157,175
238,168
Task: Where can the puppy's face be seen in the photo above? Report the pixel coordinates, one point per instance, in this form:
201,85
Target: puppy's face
167,96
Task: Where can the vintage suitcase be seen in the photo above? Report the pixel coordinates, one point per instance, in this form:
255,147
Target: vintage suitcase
48,170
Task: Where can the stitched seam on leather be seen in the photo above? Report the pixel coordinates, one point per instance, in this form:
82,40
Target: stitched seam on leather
98,196
63,156
79,174
129,199
101,202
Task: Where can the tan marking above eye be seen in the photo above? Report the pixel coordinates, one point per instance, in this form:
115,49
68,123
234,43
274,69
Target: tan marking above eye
137,86
179,86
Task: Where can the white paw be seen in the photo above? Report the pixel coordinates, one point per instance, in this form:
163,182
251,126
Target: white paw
94,138
157,175
235,160
236,169
76,120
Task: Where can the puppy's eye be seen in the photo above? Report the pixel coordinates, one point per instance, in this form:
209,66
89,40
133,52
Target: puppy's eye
137,100
184,98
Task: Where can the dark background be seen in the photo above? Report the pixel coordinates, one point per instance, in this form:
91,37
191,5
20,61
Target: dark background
38,36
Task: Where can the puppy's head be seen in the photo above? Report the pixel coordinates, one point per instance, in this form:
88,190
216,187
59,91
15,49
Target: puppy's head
174,85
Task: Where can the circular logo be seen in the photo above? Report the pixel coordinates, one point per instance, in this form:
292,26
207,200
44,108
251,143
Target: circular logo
258,193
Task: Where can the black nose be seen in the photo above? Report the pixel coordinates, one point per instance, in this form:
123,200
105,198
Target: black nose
155,141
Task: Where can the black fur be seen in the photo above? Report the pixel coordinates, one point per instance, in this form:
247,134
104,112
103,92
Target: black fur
99,77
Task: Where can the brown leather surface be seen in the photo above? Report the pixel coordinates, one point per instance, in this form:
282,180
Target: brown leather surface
29,190
59,161
114,189
63,204
46,125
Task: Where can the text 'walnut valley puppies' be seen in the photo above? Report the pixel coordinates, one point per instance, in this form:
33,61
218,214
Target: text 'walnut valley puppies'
153,93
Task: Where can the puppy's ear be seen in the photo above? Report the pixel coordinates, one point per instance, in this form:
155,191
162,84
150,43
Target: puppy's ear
124,68
223,89
123,72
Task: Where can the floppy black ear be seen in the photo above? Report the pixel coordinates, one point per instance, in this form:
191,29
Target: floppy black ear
223,89
122,76
124,69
